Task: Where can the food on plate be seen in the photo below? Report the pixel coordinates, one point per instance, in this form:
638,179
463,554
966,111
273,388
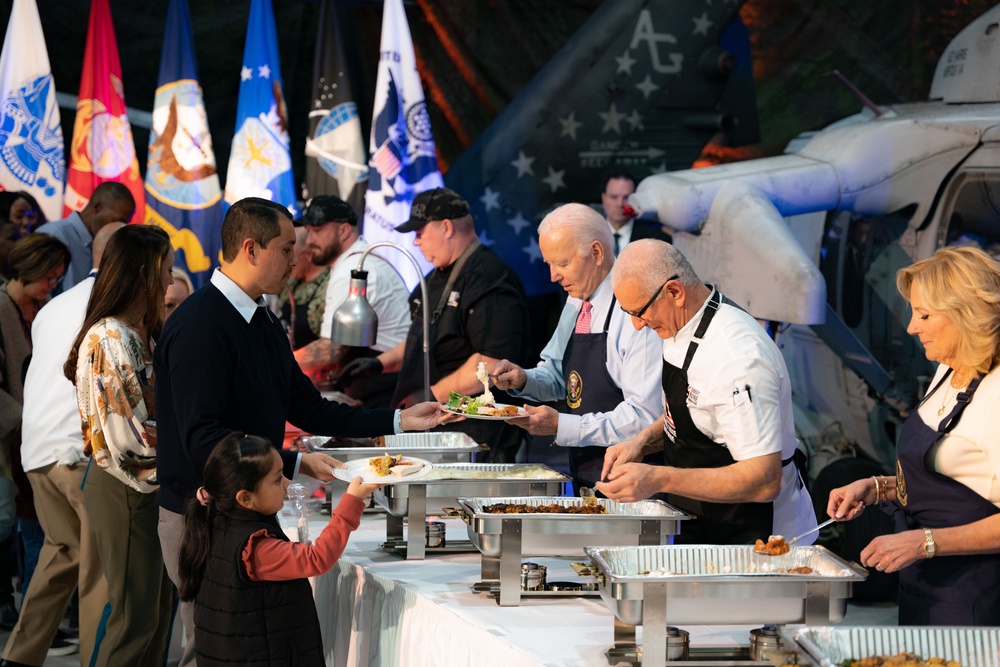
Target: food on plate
484,377
775,546
386,465
900,660
479,406
551,508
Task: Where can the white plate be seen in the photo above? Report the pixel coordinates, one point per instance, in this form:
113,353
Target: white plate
520,413
360,468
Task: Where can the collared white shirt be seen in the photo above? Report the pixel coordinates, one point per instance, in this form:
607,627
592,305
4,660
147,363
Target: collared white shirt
624,234
387,295
50,419
632,360
740,396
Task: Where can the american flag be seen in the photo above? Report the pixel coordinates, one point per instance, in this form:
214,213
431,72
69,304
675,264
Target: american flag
386,162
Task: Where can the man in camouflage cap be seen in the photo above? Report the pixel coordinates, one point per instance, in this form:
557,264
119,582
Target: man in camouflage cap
478,312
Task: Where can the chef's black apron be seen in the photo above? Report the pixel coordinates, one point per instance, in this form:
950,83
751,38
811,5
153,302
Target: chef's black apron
589,389
945,590
716,523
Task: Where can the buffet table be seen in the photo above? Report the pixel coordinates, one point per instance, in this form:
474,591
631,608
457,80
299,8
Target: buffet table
376,608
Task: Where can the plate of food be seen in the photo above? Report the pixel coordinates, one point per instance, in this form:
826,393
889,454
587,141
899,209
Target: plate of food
385,469
475,407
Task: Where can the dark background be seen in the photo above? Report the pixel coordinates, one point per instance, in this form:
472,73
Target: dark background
475,55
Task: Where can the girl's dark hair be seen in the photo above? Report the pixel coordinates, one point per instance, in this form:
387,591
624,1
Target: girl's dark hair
35,256
239,462
129,275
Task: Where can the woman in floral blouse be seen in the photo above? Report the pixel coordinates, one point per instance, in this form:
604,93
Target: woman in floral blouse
112,366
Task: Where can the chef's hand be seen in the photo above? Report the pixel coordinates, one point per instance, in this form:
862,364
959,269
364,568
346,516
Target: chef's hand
848,502
425,416
628,451
540,421
629,482
319,466
508,375
891,553
363,367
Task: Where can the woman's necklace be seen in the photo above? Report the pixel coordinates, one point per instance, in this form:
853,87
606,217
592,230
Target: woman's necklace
957,382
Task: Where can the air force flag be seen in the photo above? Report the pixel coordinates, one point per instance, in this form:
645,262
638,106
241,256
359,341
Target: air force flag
31,139
260,164
403,162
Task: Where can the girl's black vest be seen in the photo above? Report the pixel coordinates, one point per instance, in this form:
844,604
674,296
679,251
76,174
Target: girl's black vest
242,622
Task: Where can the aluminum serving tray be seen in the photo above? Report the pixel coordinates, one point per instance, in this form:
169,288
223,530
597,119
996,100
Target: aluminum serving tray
644,522
507,479
707,584
830,647
451,447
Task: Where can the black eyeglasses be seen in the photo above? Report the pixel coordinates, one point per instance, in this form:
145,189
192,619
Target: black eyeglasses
638,315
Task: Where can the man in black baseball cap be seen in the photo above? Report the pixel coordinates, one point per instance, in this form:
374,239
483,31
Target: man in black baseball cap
478,313
336,244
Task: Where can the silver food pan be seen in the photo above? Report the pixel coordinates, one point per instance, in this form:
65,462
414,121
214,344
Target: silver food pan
567,534
830,647
450,481
451,447
708,584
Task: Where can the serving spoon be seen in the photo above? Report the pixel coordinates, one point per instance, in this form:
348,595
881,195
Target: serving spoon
810,531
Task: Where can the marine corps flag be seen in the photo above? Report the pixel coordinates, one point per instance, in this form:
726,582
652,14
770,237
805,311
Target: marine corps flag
260,164
102,148
182,181
31,139
336,163
403,160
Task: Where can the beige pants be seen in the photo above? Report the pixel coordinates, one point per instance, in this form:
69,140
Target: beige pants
68,560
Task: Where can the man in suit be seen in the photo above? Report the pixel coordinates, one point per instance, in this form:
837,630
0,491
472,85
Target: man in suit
625,228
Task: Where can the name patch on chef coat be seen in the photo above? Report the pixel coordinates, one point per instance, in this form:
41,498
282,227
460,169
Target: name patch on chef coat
574,390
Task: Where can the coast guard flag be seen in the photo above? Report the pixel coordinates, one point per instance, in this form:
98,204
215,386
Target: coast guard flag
182,182
403,162
102,148
336,163
260,164
31,139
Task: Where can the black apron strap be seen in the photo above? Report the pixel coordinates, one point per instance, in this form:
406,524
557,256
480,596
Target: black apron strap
710,309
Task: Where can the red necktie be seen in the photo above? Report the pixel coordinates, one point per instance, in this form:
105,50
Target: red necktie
583,319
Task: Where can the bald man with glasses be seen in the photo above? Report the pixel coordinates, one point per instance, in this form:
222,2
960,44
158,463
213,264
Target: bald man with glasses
726,433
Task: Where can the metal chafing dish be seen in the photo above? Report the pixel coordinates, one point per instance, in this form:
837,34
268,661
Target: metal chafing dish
438,491
706,584
504,539
451,447
831,647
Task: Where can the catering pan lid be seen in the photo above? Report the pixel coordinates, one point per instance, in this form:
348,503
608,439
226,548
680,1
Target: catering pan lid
424,442
643,509
664,563
835,646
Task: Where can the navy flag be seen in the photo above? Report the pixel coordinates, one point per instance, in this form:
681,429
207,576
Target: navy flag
182,180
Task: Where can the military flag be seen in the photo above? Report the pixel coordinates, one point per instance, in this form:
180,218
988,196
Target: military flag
182,181
260,164
403,160
336,162
102,148
31,139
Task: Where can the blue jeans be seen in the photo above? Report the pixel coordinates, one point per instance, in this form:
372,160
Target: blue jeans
32,537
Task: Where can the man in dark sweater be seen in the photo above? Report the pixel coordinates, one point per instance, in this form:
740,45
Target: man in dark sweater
223,364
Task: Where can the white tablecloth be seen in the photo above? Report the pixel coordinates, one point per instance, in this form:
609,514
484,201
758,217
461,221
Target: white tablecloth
377,609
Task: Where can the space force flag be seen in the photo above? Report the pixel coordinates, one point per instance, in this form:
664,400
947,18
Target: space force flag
102,148
182,182
336,163
260,163
31,139
403,162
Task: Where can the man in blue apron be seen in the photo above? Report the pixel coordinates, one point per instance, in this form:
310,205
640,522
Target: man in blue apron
726,433
478,312
601,371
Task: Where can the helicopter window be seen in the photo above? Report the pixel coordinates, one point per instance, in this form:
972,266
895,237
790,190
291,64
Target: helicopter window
974,218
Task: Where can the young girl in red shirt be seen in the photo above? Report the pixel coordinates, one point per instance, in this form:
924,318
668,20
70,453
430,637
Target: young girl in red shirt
253,603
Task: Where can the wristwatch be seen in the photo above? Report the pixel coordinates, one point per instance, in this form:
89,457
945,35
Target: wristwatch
930,548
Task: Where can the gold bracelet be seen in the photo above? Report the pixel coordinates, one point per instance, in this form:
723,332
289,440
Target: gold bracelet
878,491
